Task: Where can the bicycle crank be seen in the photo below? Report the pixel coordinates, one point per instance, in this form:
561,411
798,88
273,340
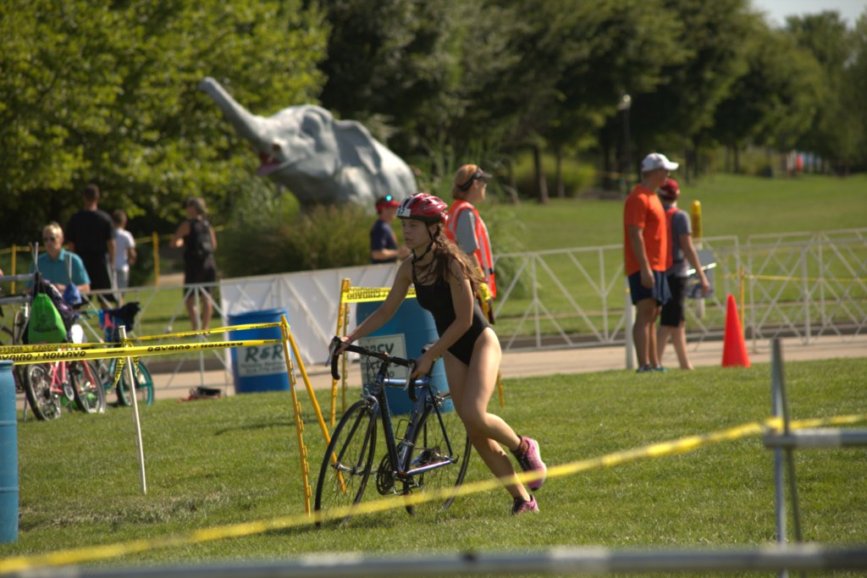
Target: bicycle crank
385,477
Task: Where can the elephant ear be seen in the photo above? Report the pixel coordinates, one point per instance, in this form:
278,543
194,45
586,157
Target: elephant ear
356,146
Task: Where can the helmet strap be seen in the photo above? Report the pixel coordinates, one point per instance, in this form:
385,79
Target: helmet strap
417,258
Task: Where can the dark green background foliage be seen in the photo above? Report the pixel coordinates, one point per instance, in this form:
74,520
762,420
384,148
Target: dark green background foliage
107,93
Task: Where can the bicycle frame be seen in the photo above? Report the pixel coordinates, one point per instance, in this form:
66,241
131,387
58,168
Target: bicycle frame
398,452
60,380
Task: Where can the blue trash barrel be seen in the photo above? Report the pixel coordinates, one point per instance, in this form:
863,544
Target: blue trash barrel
258,368
8,456
405,334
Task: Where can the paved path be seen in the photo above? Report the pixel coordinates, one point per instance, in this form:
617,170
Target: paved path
549,362
177,385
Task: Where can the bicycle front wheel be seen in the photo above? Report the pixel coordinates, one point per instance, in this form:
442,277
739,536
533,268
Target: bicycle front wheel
440,452
43,400
348,460
89,394
144,385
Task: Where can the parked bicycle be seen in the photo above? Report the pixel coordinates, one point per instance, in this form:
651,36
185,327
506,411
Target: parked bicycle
432,453
52,387
115,376
12,329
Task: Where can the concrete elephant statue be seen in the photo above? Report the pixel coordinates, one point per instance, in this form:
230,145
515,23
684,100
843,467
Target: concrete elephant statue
320,159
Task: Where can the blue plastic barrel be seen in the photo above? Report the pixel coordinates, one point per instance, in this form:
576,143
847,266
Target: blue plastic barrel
261,368
404,335
8,456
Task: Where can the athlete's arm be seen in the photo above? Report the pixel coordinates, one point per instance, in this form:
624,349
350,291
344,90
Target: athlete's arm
636,237
385,311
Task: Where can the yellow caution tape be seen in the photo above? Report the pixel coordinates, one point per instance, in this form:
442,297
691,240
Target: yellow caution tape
681,446
370,294
206,332
80,354
799,278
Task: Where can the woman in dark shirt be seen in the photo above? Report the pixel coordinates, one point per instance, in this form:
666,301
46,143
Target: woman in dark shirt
445,284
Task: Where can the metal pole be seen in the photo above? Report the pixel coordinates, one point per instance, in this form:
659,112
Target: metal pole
629,314
556,561
135,414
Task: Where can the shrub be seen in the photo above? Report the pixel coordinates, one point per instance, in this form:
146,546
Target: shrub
577,177
281,240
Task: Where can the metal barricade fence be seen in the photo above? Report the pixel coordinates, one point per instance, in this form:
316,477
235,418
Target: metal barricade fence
797,284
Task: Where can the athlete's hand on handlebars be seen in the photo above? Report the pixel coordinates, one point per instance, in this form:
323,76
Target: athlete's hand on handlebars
422,365
335,348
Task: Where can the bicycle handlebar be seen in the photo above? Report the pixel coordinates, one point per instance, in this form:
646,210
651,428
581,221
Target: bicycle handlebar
336,344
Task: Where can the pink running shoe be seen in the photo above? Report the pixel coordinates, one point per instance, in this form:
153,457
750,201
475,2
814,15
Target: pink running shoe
522,506
530,459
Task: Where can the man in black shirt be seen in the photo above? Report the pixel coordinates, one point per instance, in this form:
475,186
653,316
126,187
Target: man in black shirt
89,234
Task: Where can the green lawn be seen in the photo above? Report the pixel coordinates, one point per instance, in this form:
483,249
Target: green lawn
212,463
731,205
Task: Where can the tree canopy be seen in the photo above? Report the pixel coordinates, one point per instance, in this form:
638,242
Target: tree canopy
106,92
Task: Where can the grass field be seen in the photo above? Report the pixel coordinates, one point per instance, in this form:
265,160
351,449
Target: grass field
731,205
235,460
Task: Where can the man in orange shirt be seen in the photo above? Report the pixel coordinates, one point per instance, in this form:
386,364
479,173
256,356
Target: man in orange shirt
647,254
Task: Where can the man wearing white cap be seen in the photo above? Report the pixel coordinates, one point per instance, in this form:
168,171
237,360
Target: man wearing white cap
647,255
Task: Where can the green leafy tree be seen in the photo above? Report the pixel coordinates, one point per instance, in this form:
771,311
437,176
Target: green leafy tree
107,92
855,89
832,134
673,116
774,102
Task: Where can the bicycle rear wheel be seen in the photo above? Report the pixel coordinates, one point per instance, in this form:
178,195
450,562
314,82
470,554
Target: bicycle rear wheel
437,442
348,460
44,401
89,394
144,384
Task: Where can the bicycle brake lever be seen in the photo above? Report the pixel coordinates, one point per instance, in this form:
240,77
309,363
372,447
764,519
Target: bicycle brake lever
409,388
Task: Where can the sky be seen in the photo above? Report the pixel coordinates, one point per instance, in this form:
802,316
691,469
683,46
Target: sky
777,10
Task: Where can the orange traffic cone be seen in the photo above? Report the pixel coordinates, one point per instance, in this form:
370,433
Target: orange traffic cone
734,348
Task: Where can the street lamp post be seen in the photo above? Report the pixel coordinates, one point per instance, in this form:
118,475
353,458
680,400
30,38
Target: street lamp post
623,106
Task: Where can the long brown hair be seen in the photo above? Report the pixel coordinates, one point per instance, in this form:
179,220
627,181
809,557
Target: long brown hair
444,251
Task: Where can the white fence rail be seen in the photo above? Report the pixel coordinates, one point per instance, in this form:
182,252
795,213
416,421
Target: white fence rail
798,284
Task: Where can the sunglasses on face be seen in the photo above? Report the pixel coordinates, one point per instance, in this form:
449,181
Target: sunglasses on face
478,175
47,239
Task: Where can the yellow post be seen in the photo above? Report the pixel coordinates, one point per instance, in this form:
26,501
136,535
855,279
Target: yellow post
322,425
155,240
339,332
299,422
696,221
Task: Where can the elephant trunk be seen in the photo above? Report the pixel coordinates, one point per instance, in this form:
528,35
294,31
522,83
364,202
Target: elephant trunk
248,125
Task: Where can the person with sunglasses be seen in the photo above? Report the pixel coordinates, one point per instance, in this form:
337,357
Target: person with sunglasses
56,263
467,230
445,281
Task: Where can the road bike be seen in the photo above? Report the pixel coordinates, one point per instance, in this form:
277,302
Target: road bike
433,452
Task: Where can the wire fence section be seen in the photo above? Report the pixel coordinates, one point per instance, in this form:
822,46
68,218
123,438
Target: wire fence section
807,284
798,284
